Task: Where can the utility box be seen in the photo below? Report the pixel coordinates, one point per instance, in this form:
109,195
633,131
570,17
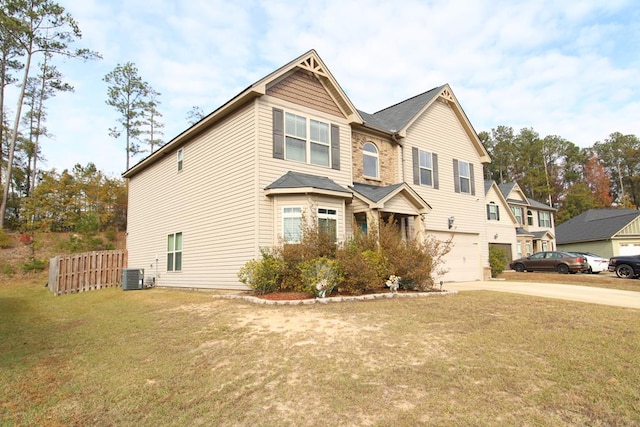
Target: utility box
132,278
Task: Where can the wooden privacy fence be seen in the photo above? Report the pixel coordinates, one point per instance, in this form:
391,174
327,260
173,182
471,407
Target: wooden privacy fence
86,271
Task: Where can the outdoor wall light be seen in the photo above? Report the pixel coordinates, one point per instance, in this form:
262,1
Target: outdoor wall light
495,236
451,221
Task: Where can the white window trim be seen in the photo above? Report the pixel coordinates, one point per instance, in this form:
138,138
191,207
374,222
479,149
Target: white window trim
173,252
308,141
461,176
375,155
286,215
493,211
545,219
420,167
180,159
331,214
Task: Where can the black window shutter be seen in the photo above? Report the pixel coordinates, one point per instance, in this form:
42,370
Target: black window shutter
335,147
416,165
539,216
473,181
498,212
278,134
488,211
434,164
456,176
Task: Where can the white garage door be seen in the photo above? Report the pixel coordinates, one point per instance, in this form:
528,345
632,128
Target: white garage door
463,261
630,249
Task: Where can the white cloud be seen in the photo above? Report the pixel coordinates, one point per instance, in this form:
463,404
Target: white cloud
567,68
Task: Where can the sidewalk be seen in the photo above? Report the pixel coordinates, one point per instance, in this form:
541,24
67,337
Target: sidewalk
588,294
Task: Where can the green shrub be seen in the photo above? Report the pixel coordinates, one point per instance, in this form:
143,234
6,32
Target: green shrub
320,276
263,276
497,260
360,271
33,266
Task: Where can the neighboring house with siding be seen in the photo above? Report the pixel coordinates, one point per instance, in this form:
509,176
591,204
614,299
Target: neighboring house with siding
606,232
535,231
293,144
501,222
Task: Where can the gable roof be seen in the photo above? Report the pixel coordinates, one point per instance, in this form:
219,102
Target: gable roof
305,183
540,206
376,196
488,185
506,188
595,224
309,61
397,118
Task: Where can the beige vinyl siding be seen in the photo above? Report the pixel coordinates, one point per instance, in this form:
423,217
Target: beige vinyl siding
505,228
211,201
303,88
310,205
272,169
400,205
438,130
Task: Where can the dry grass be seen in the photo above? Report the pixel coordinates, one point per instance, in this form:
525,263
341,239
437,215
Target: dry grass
602,280
164,357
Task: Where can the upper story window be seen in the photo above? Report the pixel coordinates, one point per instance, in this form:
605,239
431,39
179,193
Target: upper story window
292,224
463,181
179,158
544,219
493,212
370,160
517,212
425,168
529,217
316,147
464,177
307,140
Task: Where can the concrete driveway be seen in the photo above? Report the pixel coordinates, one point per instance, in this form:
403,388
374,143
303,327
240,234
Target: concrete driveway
588,294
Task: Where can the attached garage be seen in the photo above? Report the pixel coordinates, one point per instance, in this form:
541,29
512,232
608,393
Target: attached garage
630,248
464,262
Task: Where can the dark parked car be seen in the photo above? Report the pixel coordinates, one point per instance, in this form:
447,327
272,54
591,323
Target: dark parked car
562,262
625,266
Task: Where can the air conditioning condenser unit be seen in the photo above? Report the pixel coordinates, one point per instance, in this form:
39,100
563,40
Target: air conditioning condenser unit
132,278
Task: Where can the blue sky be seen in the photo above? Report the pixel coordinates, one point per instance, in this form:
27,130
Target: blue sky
568,68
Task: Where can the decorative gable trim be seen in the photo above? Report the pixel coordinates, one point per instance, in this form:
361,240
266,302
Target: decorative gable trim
446,95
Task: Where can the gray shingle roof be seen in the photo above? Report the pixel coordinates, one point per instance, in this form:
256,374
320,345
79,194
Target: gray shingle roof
536,204
374,193
397,116
303,180
594,224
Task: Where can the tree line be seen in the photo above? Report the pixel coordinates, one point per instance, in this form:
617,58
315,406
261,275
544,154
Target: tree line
33,34
555,171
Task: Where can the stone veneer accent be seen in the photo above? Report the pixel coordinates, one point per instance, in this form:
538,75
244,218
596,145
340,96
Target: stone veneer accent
387,157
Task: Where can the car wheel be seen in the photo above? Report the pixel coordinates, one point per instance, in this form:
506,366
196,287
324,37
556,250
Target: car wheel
519,267
562,268
624,271
590,271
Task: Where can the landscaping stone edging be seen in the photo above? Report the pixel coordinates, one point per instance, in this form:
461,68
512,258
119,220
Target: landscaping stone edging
333,300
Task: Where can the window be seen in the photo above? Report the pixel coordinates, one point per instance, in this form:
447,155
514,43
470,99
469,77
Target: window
544,218
464,177
292,224
545,245
180,154
463,181
370,160
426,168
328,222
528,247
174,252
316,148
517,212
519,250
529,217
493,212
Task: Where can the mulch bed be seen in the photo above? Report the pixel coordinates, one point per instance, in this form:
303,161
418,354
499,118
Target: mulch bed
294,296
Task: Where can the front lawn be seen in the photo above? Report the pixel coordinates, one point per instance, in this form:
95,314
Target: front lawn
170,357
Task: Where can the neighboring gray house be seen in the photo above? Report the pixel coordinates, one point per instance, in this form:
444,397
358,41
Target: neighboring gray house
292,144
535,232
605,232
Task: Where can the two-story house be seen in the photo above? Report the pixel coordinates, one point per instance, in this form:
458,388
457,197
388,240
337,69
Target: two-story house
293,144
535,224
